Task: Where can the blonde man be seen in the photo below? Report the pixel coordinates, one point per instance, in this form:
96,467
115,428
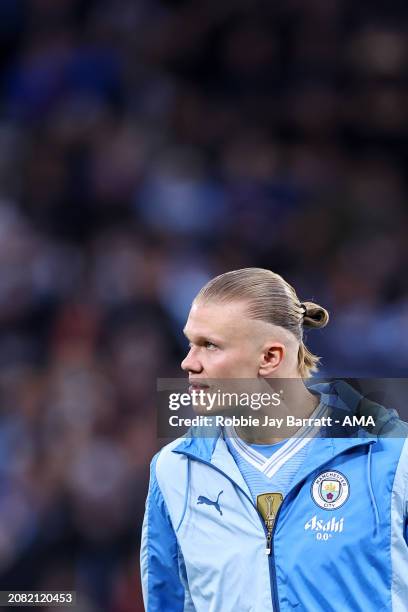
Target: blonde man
243,521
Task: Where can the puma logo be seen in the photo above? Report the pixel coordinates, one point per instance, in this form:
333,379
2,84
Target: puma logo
209,502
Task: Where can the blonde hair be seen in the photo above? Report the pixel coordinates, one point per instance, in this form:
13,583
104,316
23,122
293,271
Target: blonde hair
270,298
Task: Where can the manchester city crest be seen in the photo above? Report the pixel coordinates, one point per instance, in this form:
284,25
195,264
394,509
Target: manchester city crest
330,490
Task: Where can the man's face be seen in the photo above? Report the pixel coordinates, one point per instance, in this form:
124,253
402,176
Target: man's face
224,342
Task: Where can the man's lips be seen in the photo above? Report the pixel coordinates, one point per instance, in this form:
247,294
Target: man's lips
195,386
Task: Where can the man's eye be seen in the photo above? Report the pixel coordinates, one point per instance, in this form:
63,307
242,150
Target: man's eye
210,345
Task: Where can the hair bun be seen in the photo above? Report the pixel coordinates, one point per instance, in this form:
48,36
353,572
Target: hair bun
315,315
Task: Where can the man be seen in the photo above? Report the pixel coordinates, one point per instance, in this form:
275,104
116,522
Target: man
246,521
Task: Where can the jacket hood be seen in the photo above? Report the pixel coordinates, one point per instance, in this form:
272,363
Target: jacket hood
345,400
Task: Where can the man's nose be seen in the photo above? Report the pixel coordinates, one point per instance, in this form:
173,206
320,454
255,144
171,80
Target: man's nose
191,363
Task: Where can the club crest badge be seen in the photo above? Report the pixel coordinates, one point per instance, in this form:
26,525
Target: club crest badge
330,490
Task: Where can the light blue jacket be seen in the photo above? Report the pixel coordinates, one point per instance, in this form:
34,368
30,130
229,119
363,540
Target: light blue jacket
197,557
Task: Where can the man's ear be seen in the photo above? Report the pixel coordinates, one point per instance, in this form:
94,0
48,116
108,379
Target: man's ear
271,358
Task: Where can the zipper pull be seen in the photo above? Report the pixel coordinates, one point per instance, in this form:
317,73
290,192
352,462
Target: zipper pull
268,505
268,543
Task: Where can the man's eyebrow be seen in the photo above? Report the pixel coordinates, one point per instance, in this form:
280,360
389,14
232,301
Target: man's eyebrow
201,338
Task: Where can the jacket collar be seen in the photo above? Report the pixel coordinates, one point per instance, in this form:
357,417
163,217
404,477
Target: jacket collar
213,450
341,398
200,443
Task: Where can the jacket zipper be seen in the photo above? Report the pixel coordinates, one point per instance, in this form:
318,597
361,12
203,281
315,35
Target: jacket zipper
272,565
268,542
270,518
269,532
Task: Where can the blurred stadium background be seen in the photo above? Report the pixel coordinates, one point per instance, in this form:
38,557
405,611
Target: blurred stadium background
145,146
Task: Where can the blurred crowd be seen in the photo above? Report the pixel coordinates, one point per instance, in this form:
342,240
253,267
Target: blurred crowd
146,146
